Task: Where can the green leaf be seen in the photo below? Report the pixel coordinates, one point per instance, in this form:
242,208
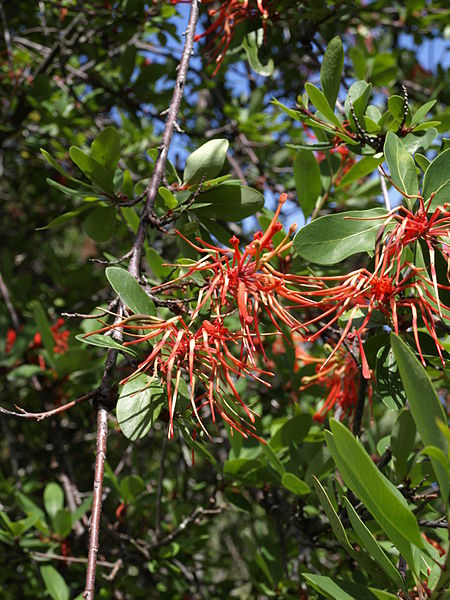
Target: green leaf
293,431
130,292
388,381
62,522
100,223
335,522
307,180
426,408
422,161
436,454
337,589
68,216
321,103
138,407
105,148
71,191
372,546
378,494
359,93
363,167
206,162
422,112
332,238
95,171
331,70
230,202
437,179
54,583
43,328
53,498
401,165
403,441
169,199
104,341
130,487
127,62
251,46
294,484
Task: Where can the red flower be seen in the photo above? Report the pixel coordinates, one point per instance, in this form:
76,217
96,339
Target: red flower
11,337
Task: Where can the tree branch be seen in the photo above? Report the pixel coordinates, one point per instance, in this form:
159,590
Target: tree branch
24,414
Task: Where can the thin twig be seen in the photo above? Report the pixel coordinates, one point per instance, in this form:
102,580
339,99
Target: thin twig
152,187
74,559
387,200
9,305
24,414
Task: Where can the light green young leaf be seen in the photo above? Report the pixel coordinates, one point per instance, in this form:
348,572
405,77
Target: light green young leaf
294,484
105,148
321,103
337,589
437,179
54,583
53,498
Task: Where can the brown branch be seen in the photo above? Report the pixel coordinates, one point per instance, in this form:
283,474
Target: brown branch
9,305
158,172
73,559
102,429
24,414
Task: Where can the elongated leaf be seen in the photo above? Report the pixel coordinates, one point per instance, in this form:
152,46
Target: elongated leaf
330,239
68,216
54,583
437,179
294,484
378,494
321,103
104,341
95,171
363,167
338,589
250,45
372,546
105,148
307,180
401,165
425,406
359,93
53,498
169,199
129,290
62,522
206,162
230,202
335,522
422,112
43,328
331,70
138,407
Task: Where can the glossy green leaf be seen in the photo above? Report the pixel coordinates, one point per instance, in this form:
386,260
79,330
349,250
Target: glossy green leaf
331,70
359,93
307,180
321,103
378,494
365,166
426,408
131,293
54,583
68,216
294,484
105,148
293,431
337,589
138,407
401,165
422,112
437,179
206,162
387,380
100,223
230,202
332,238
53,498
372,546
104,341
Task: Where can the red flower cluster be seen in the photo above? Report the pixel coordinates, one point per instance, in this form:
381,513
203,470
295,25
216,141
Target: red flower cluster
225,18
60,338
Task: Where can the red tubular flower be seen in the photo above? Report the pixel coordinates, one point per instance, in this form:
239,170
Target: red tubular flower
339,376
207,359
11,337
